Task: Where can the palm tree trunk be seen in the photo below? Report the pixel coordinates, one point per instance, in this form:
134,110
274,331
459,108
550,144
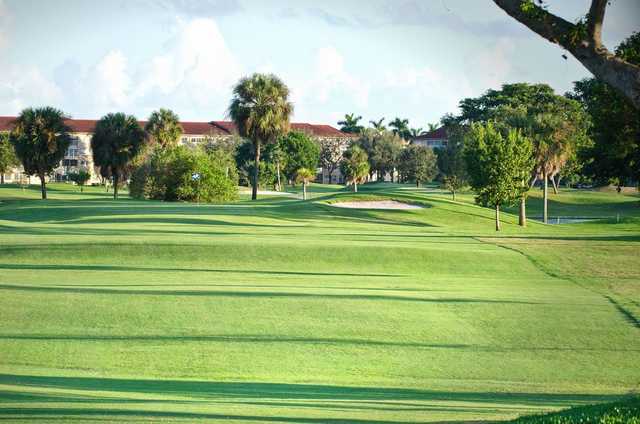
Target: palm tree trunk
554,185
497,217
304,190
453,192
116,181
522,219
2,178
278,174
43,186
355,186
545,196
256,172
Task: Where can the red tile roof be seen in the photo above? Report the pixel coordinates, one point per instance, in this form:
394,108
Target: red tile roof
194,128
439,134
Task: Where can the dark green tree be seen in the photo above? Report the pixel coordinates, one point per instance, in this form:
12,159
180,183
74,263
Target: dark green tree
40,138
298,151
350,124
383,150
556,125
418,164
116,141
261,109
498,165
80,178
8,158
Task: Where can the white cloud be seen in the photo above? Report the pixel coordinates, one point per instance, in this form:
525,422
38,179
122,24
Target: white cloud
332,78
197,65
195,72
109,80
20,88
491,67
429,88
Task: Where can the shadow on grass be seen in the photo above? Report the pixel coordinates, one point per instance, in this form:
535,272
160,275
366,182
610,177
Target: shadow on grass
299,392
271,339
68,267
261,294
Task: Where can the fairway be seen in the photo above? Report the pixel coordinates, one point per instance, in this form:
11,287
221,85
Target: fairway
287,311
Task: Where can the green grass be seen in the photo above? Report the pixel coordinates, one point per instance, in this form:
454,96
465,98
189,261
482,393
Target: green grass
288,311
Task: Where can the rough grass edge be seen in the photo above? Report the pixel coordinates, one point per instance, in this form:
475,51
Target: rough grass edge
623,411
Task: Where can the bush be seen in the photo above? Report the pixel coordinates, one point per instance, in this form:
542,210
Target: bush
186,174
623,412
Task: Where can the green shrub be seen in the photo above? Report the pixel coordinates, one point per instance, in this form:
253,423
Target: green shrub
186,174
623,412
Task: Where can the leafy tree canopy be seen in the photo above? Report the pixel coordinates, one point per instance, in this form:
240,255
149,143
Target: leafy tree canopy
298,151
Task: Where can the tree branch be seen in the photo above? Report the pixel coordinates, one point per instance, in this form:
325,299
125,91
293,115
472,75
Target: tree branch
595,19
586,46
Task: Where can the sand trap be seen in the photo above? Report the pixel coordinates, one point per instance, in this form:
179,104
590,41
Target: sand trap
375,204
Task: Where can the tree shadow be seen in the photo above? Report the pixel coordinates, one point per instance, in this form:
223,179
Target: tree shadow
262,294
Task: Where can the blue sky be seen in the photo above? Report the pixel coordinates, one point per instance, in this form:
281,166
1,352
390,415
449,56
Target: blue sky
377,58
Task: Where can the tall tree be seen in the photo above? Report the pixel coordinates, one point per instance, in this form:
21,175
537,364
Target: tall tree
331,154
260,108
40,138
415,132
378,125
400,127
451,161
418,164
499,165
8,158
355,166
521,105
298,151
383,149
350,124
163,128
582,39
433,126
116,141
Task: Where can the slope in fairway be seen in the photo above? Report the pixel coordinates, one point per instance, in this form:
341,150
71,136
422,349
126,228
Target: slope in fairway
289,311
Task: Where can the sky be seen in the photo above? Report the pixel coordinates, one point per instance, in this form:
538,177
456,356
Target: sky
412,59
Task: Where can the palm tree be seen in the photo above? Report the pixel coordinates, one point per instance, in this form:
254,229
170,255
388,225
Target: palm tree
350,124
433,126
40,138
401,127
163,127
415,132
304,175
260,108
378,125
116,141
355,165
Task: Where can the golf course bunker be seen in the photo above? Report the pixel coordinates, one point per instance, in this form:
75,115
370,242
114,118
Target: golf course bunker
376,204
